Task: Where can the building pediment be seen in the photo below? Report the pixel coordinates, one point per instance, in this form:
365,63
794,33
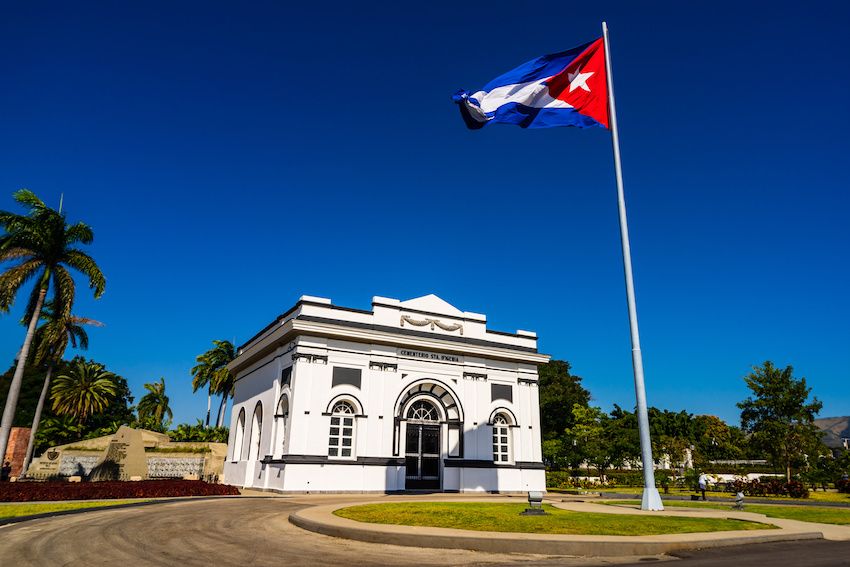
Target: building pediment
431,304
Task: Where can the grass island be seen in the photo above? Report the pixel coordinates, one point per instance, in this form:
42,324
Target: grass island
499,517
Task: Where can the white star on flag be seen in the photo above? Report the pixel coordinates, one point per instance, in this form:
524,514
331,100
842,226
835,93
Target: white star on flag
579,80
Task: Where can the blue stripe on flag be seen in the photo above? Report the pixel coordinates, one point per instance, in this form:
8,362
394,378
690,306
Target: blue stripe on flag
528,117
536,69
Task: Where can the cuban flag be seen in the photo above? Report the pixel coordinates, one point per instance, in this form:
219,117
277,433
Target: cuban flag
563,89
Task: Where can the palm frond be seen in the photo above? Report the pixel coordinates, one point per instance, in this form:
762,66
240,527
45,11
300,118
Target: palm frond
80,232
77,336
35,292
29,199
12,279
13,253
64,291
86,388
84,263
154,404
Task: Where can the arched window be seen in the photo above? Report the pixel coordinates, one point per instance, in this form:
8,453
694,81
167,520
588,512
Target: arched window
501,439
341,437
422,410
256,433
239,436
281,419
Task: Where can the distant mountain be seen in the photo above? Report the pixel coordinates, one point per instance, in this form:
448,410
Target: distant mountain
836,431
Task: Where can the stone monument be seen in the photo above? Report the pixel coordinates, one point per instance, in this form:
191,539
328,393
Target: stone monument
124,457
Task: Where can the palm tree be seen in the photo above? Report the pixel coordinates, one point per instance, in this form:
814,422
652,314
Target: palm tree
211,371
225,386
86,388
40,245
202,377
51,340
154,404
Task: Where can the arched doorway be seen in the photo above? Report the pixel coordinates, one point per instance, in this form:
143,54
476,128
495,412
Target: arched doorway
422,446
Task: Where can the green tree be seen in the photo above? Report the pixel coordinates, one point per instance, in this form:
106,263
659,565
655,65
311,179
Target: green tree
51,340
213,365
57,430
589,437
559,391
39,246
31,385
199,432
779,416
623,437
153,406
119,411
87,388
204,373
672,433
714,439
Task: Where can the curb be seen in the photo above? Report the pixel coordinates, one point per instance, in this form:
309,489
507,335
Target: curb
315,520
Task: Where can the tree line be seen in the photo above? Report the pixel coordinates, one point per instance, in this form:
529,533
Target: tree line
39,250
777,424
68,400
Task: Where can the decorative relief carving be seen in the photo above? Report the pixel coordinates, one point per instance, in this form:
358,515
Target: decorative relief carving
450,327
175,467
81,465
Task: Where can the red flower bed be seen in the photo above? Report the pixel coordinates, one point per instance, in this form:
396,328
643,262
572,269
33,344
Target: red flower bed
36,491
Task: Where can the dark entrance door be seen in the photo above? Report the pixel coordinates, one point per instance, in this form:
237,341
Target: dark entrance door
422,456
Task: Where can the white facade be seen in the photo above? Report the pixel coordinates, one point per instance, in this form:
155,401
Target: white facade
410,395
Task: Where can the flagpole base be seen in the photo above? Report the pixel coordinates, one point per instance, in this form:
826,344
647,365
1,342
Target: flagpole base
651,500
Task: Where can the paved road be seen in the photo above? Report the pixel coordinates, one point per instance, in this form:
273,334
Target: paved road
785,554
255,531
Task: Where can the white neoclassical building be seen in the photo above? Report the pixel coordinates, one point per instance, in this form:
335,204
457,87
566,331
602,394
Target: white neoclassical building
410,395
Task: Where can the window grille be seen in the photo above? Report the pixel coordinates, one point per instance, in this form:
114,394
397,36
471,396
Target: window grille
341,437
501,440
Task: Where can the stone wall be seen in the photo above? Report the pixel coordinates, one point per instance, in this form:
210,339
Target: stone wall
175,467
17,448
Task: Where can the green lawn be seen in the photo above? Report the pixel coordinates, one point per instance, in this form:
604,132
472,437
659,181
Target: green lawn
818,496
824,497
818,514
494,517
25,509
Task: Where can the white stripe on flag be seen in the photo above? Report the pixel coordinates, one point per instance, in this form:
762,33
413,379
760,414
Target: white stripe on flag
534,94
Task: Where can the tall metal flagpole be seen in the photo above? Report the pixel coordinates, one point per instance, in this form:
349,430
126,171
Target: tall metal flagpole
651,499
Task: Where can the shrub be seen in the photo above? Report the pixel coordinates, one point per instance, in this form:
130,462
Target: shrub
197,432
37,491
565,480
626,478
770,486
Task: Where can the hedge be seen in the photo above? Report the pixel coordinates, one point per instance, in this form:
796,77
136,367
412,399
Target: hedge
39,491
770,486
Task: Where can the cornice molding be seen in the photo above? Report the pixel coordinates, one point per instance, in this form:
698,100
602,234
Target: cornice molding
375,334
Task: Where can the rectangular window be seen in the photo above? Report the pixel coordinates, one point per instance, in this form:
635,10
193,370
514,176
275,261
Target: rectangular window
341,437
501,448
347,376
501,392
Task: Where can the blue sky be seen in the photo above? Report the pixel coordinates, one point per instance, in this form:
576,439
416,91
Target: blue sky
234,157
